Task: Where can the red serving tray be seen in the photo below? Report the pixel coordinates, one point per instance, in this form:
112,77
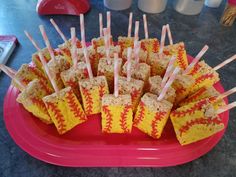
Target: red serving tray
87,146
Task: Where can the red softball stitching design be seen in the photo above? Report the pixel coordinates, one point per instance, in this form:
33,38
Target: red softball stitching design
74,107
102,90
88,105
180,58
108,118
123,118
203,121
140,113
39,102
194,97
45,87
195,69
58,115
190,110
203,78
158,117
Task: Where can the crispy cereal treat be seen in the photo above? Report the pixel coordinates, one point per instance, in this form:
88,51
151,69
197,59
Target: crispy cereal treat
101,51
72,76
182,85
60,64
141,72
150,45
99,42
28,73
92,91
152,115
196,121
125,42
31,99
93,58
158,65
66,47
64,110
107,70
117,114
179,51
202,94
154,87
142,55
204,76
47,57
133,87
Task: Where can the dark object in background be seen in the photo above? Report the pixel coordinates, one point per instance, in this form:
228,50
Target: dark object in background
68,7
7,45
229,14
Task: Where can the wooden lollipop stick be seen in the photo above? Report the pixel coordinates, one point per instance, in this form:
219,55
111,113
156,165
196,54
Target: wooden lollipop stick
169,34
196,59
129,55
116,75
227,93
44,63
168,84
100,25
163,38
226,108
74,48
145,26
130,24
46,41
58,30
169,70
9,73
227,61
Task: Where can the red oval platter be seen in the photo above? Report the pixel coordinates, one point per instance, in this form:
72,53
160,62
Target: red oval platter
87,146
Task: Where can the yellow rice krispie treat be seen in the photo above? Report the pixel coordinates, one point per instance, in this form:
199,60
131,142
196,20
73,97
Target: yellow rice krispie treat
72,76
107,70
142,55
154,87
179,51
152,115
196,121
27,73
92,91
117,114
133,87
66,47
57,66
93,58
65,110
31,99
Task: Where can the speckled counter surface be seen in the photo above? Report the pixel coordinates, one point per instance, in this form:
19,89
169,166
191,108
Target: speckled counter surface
195,31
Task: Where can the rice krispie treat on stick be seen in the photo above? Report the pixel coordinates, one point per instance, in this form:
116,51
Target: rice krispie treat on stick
31,95
127,41
93,88
77,72
153,111
65,48
62,106
117,111
106,66
184,83
197,121
151,45
128,85
140,71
